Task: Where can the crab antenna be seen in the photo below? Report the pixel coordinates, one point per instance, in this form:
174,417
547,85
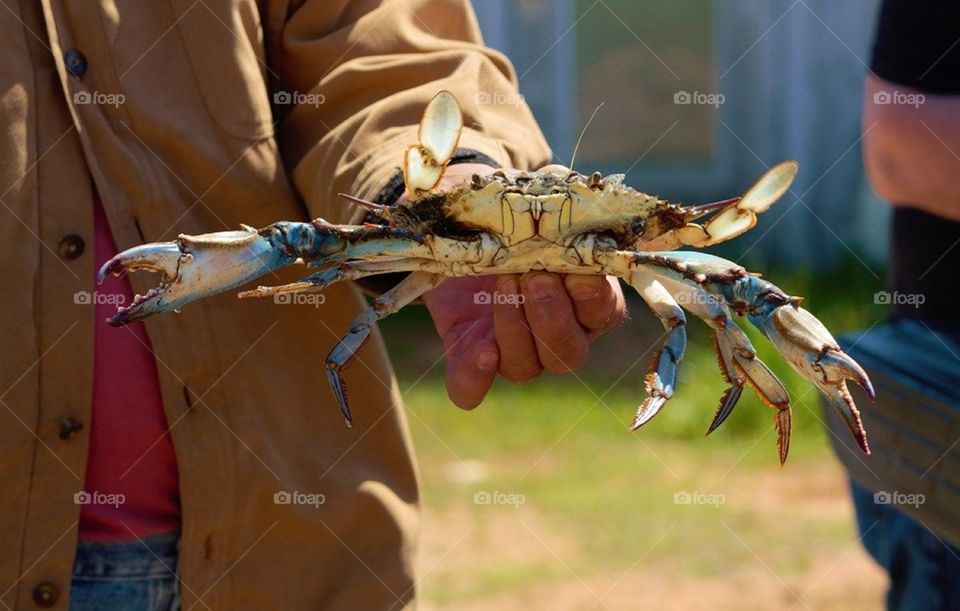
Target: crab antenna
363,203
584,131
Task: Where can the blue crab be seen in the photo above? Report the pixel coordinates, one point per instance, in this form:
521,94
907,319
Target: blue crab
513,222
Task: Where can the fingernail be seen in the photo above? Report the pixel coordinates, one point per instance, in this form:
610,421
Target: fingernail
582,290
543,287
487,361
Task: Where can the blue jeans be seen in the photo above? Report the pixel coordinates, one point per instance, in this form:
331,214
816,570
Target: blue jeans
138,575
924,570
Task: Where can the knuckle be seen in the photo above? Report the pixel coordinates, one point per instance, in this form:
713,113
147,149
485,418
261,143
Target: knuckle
607,319
554,325
603,316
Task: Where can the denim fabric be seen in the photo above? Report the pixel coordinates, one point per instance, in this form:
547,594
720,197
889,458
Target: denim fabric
924,570
138,575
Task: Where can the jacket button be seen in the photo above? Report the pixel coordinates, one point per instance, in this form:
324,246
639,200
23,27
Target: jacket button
69,427
75,62
71,246
46,594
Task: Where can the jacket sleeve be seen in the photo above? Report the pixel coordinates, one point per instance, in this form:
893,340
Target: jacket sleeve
360,73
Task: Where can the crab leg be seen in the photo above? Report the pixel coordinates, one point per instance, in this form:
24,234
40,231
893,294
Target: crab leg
194,267
737,357
346,349
738,362
348,270
662,378
802,339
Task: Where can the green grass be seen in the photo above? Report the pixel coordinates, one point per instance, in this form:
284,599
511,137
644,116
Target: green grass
607,492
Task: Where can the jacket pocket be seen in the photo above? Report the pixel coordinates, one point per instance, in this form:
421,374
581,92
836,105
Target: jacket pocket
224,41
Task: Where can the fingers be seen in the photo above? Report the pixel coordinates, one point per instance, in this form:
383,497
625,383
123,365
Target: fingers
547,326
597,300
560,340
472,362
519,361
556,168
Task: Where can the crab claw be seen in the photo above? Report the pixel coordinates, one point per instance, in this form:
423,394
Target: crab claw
733,216
810,349
741,217
193,267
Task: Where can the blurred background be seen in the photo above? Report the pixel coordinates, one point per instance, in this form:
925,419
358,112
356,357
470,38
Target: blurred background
541,498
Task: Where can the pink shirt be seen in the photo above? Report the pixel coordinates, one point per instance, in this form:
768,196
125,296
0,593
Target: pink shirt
131,453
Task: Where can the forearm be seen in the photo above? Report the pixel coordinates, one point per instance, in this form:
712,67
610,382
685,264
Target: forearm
912,152
376,69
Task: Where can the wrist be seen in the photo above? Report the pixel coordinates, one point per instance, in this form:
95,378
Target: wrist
393,190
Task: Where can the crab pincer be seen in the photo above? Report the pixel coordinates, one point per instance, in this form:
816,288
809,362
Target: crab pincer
193,267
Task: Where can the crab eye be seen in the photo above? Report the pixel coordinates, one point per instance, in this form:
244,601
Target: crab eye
476,182
595,181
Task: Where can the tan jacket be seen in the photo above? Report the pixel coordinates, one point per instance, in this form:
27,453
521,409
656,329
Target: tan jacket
182,135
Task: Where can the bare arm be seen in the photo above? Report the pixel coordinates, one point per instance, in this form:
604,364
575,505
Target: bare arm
912,152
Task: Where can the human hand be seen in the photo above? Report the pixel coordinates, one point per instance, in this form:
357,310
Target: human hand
550,330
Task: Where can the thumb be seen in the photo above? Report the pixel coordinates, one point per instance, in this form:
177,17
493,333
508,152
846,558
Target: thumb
472,362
